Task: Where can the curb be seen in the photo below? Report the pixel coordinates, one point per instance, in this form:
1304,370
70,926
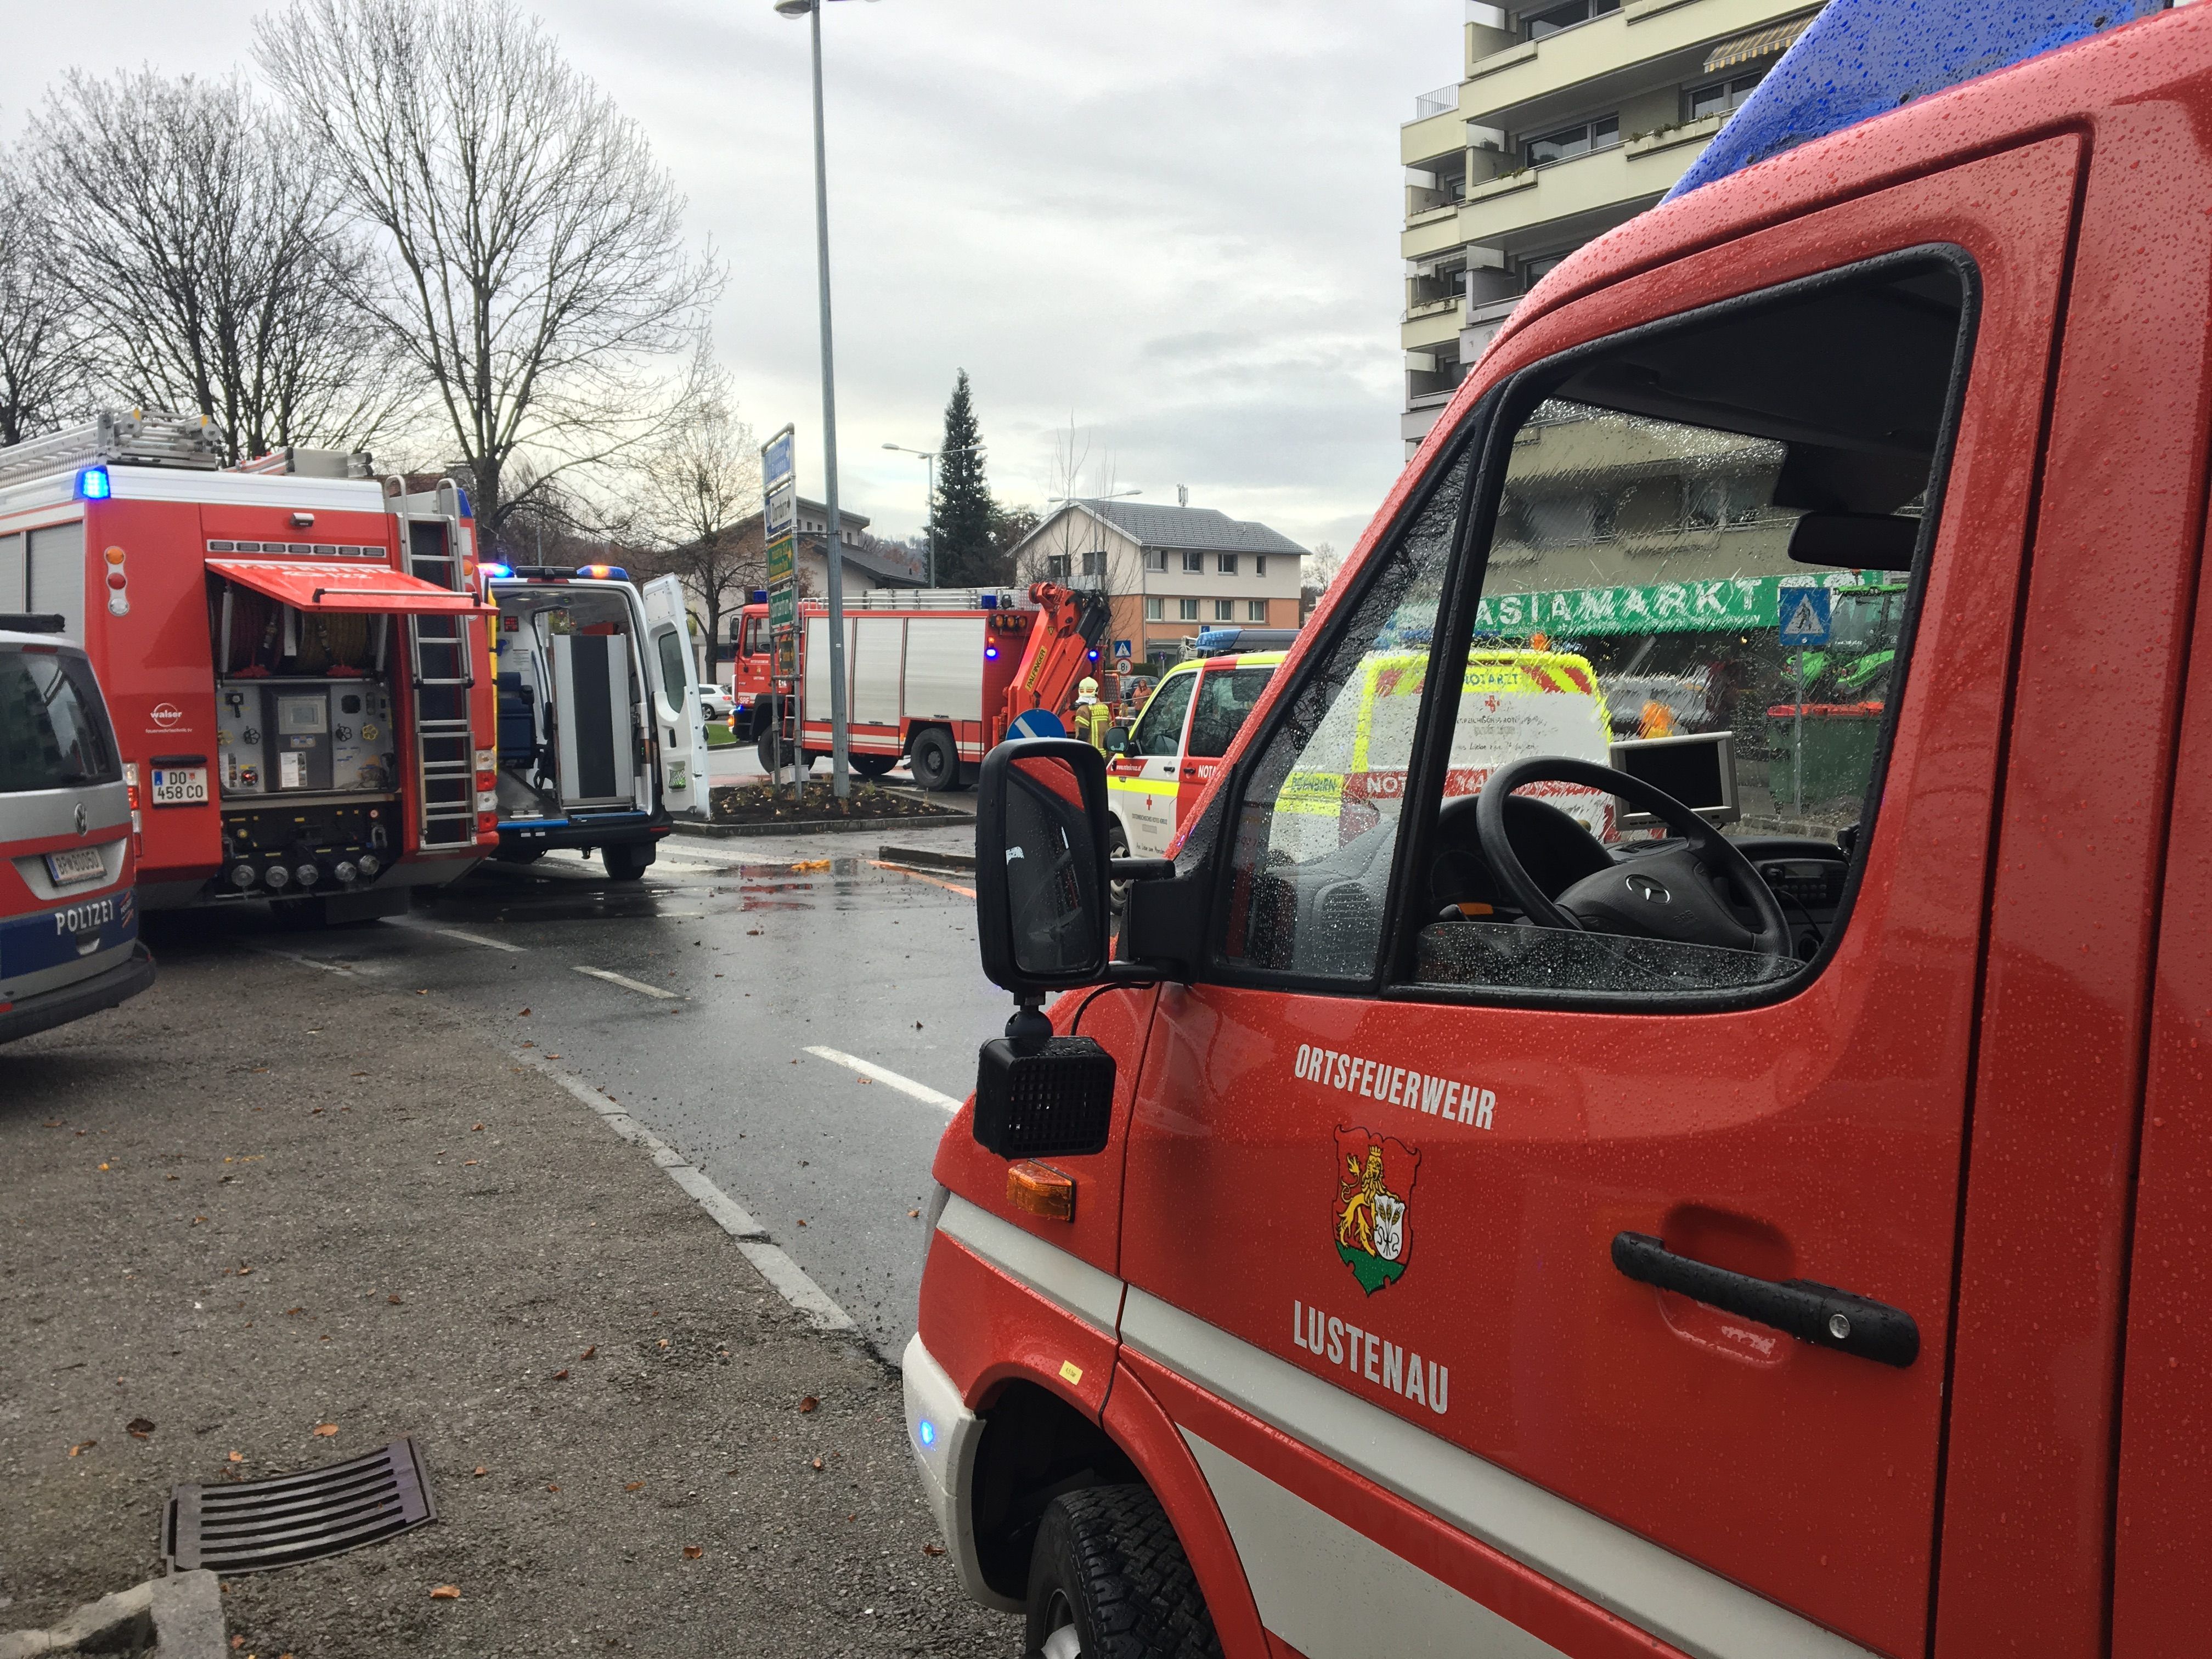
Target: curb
820,826
925,857
181,1616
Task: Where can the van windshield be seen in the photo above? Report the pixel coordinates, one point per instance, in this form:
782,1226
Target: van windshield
53,727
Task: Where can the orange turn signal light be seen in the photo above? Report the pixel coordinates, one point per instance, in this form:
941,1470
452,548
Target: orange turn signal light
1041,1190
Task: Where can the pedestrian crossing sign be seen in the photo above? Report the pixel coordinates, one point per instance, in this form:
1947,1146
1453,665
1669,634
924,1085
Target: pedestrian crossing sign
1806,613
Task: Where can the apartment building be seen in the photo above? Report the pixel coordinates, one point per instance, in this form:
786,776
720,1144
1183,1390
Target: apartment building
1569,118
1169,571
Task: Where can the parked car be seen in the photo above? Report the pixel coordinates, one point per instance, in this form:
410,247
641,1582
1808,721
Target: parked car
69,924
716,702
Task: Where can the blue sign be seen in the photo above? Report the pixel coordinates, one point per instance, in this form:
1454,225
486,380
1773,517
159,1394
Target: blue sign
1806,615
1121,648
1036,723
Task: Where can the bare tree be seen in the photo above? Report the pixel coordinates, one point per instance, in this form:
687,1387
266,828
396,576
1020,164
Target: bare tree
530,256
42,336
702,483
209,269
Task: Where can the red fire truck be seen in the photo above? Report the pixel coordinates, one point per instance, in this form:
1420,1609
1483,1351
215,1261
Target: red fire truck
292,651
938,674
1450,1233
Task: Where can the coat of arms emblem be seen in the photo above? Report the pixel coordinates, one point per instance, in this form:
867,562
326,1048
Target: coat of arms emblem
1374,1193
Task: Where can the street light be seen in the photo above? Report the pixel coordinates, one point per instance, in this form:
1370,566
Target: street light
841,777
929,458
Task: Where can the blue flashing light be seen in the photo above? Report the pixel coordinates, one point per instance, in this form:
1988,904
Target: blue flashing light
605,573
990,654
1863,57
926,1431
1094,654
93,485
467,511
493,571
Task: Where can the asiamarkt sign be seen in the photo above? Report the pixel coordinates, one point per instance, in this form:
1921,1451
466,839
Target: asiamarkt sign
1742,603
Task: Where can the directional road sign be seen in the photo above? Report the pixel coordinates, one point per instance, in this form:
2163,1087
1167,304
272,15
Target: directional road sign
1036,723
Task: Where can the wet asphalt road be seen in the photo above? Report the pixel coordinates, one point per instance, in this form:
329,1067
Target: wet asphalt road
761,952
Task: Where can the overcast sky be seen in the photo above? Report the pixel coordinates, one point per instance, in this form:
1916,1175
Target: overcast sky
1174,220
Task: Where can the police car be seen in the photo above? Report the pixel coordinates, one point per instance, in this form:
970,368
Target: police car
69,926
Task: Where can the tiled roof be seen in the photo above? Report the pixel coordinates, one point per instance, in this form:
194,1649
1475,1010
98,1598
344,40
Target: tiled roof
1199,528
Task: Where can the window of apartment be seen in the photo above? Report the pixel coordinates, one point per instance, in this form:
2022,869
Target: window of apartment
1535,26
1224,611
1155,558
1094,562
1567,142
1155,608
1187,610
1194,563
1533,271
1259,564
1255,610
1723,96
1057,566
1224,564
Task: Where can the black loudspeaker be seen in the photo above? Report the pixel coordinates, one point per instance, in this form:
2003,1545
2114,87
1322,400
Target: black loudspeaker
1054,1100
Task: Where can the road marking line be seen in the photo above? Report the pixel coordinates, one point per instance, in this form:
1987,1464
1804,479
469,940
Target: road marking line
901,869
354,971
478,938
785,1277
613,978
905,1085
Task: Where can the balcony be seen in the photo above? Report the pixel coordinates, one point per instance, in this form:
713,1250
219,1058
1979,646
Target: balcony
1590,188
1531,71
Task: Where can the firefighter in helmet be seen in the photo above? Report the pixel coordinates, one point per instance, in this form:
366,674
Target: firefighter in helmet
1090,717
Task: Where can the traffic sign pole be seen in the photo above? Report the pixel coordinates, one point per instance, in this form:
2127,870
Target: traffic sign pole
1806,615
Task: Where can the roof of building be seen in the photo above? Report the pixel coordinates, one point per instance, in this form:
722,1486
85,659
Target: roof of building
1202,529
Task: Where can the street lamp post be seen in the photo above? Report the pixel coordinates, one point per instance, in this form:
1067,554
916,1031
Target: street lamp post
840,779
929,459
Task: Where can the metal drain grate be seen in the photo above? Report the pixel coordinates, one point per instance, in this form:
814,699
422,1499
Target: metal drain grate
251,1526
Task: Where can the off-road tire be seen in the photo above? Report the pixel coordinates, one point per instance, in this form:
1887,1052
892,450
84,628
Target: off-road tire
936,759
626,862
1107,1558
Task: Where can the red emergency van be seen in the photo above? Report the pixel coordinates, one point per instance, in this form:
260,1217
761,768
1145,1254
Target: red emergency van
294,653
1457,1234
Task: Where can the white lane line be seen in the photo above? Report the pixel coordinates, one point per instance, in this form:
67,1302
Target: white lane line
613,978
349,971
785,1277
478,938
905,1085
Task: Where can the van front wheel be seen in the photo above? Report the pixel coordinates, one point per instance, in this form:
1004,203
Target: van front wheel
1109,1580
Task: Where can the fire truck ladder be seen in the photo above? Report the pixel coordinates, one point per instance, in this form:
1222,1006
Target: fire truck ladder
140,438
439,667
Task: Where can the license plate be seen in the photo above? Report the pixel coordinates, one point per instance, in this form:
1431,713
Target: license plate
78,864
179,786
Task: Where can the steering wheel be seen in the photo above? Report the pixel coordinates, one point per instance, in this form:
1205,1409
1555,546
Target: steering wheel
1671,894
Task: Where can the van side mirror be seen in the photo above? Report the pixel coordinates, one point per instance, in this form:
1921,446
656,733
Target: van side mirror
1041,879
1117,740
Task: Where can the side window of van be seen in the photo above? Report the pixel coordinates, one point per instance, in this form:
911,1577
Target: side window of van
1225,698
1159,728
1664,508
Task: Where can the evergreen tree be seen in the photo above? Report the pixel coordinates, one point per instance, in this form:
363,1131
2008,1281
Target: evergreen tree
967,554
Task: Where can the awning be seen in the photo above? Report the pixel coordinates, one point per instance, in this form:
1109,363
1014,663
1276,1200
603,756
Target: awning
1769,42
325,586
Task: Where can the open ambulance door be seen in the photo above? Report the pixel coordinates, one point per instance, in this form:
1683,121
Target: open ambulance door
680,722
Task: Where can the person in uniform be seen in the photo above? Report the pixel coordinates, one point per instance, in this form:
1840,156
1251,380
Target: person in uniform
1092,717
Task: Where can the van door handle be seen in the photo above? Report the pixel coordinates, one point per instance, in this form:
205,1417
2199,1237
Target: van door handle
1819,1313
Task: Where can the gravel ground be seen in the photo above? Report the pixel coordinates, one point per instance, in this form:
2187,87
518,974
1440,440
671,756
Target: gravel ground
262,1199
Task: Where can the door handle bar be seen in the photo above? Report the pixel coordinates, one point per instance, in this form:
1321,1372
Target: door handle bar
1819,1313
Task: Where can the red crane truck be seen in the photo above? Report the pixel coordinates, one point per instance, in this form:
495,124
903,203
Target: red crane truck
939,675
294,651
1785,1236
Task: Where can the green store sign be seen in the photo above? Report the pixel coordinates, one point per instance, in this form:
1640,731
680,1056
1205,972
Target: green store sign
1737,603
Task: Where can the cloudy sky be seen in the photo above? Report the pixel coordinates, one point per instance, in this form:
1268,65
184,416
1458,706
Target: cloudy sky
1172,221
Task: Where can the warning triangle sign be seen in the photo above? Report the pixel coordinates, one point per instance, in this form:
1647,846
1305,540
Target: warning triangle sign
1804,622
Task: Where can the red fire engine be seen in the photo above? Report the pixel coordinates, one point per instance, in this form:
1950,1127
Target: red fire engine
938,674
291,650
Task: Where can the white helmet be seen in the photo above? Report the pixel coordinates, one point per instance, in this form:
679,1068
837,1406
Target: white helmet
1087,686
